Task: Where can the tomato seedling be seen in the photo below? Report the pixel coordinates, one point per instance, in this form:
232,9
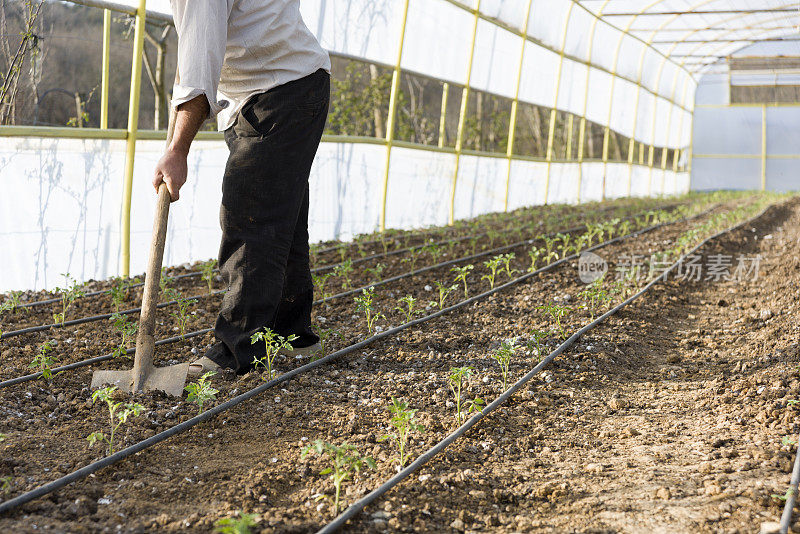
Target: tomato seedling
556,312
273,343
201,391
325,334
595,295
68,294
404,422
182,314
11,303
461,276
376,272
126,329
118,414
365,302
343,271
535,342
165,280
444,292
503,357
345,461
319,281
43,361
5,484
236,525
406,307
534,254
456,381
412,258
506,260
207,269
494,265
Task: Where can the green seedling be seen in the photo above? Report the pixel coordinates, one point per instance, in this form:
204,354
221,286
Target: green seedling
788,441
376,272
207,269
165,280
385,243
536,341
118,414
549,244
492,235
345,461
201,391
494,265
534,254
43,361
2,438
319,282
365,302
342,253
182,313
461,276
473,244
126,328
413,257
456,380
404,422
625,227
595,296
5,484
556,312
273,343
325,334
119,292
784,497
236,525
565,240
580,243
68,294
611,227
503,357
343,271
11,303
435,252
475,405
444,291
406,307
506,260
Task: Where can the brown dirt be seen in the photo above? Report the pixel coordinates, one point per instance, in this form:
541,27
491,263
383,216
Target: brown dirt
603,441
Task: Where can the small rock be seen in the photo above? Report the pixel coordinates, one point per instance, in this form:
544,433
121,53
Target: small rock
663,494
457,524
631,432
593,468
617,404
770,527
765,314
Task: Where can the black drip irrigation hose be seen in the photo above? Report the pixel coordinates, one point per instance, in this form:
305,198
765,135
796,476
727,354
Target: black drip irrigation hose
359,505
315,270
189,335
118,456
791,494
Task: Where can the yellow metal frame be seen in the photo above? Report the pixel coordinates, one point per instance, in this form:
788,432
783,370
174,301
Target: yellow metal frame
392,114
462,116
443,116
554,111
105,69
133,127
512,123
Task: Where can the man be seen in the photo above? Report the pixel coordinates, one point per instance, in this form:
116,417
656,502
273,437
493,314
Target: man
255,66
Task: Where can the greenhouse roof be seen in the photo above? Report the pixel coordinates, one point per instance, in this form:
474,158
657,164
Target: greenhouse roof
696,33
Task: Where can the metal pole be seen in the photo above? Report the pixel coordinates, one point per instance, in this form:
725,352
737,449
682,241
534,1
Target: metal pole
512,126
554,111
763,147
133,125
106,68
443,117
462,116
392,114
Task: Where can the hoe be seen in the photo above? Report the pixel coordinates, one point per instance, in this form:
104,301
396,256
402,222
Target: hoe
144,376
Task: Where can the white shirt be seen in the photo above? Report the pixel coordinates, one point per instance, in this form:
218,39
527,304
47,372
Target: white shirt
230,50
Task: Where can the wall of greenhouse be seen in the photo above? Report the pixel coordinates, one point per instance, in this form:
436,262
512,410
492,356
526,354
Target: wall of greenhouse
599,114
747,121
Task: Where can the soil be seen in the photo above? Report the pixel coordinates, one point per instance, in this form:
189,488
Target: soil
668,417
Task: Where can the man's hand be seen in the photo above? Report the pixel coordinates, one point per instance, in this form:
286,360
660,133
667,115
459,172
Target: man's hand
172,167
172,170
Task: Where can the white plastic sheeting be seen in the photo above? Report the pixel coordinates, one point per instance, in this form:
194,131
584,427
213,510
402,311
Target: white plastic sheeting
732,149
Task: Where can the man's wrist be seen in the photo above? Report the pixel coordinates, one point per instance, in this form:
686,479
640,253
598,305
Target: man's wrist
178,149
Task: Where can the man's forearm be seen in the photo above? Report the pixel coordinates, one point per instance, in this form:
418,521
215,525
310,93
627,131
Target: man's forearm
188,121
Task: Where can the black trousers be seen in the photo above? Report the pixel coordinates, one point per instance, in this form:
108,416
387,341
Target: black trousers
264,256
